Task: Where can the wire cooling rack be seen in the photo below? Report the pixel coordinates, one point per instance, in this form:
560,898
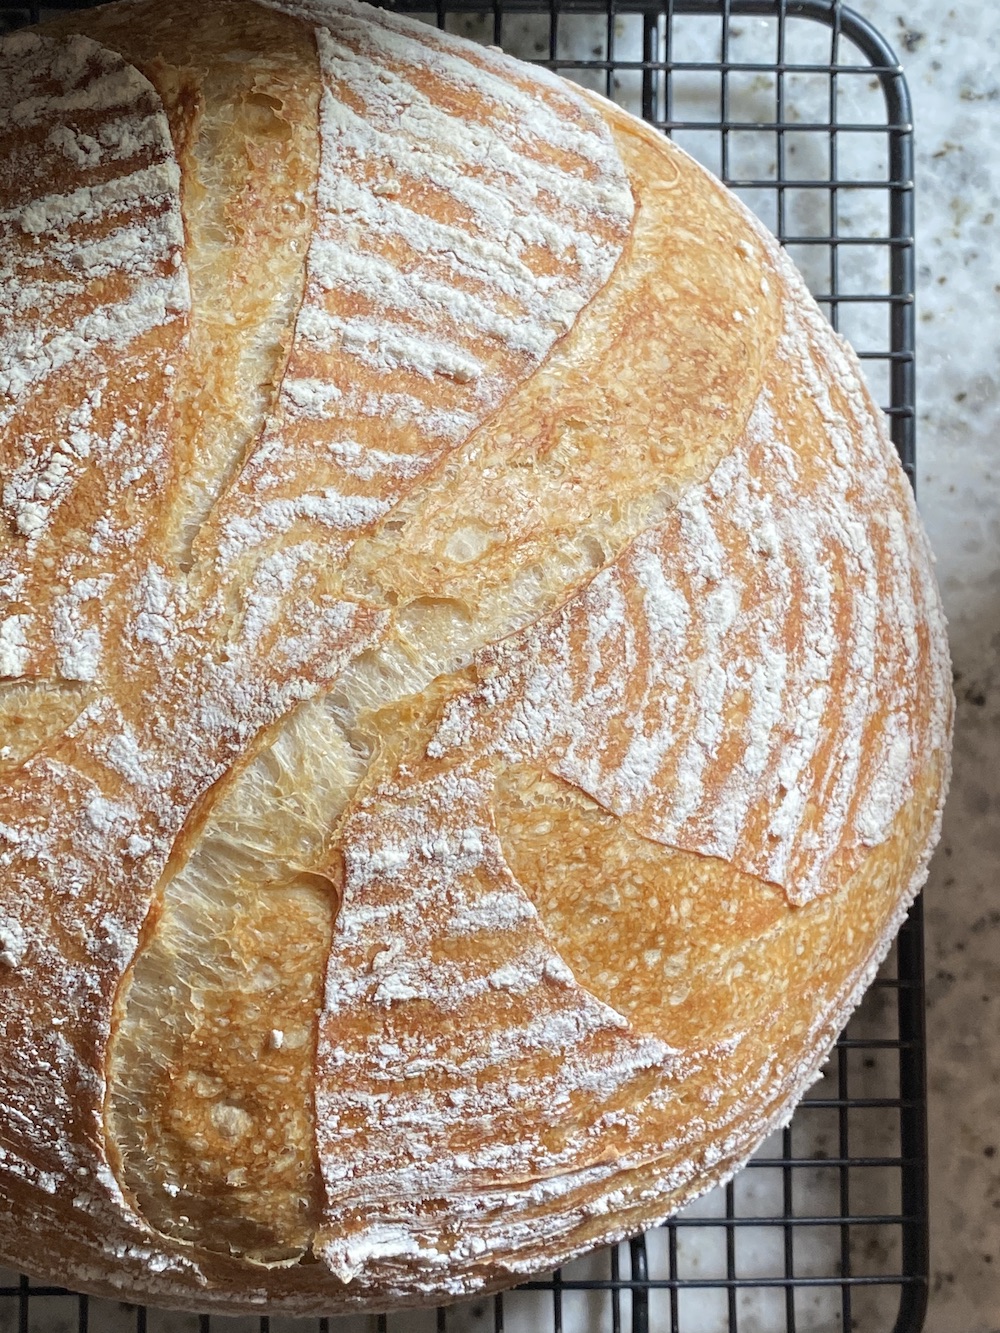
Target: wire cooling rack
800,105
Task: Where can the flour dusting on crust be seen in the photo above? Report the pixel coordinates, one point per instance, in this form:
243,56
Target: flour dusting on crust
437,279
91,241
406,1083
739,684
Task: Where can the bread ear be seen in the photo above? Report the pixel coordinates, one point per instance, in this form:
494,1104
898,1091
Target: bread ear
436,282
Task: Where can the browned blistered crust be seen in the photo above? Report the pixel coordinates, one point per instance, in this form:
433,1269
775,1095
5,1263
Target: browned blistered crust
476,704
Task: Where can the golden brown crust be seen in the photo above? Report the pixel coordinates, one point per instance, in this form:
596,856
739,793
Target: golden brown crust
470,652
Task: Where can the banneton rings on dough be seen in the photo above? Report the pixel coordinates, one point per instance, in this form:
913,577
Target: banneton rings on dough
475,701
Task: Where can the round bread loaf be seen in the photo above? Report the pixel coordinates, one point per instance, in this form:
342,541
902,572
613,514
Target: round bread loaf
476,704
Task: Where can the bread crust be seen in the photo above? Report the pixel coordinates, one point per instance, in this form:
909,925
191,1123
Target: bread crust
477,704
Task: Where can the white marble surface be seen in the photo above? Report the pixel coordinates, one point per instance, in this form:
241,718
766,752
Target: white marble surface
952,57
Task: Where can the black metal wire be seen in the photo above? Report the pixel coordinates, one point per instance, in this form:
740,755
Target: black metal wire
649,1283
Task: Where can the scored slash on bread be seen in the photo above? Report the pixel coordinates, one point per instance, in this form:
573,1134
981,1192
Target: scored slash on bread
478,704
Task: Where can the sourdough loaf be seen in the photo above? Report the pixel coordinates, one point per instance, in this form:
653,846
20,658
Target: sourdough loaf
475,701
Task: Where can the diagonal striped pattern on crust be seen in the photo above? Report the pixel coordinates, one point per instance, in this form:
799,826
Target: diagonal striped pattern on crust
436,280
93,298
738,684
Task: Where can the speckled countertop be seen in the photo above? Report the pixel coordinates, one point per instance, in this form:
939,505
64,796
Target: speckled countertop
952,58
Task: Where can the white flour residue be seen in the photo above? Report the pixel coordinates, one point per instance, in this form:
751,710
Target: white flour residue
309,396
32,354
399,410
367,464
92,78
156,609
272,518
14,649
13,942
50,215
142,252
115,140
76,628
383,346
